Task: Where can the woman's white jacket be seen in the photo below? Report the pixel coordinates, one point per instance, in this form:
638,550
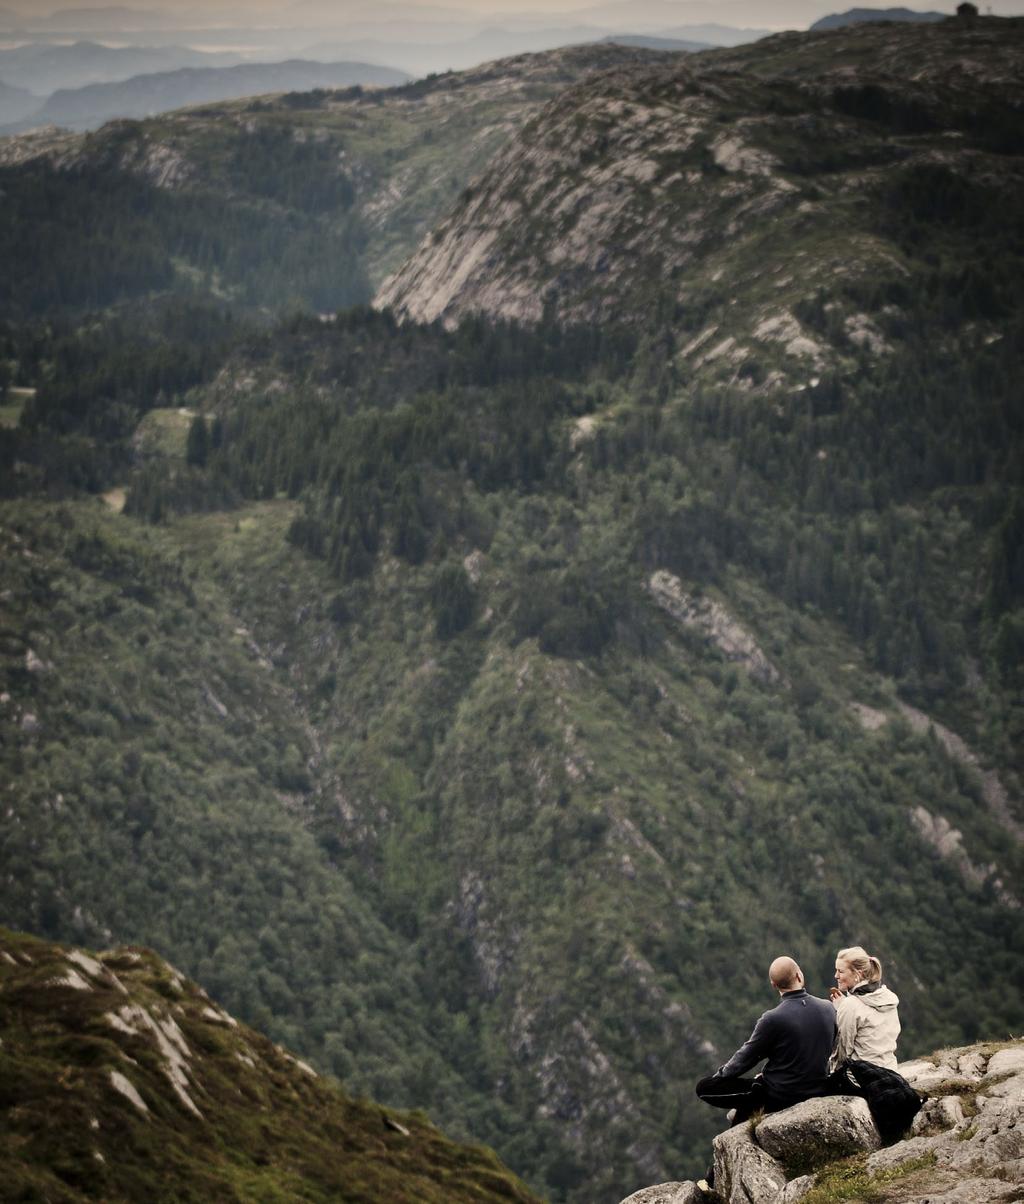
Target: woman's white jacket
869,1024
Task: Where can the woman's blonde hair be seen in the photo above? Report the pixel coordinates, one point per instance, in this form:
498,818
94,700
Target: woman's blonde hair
858,959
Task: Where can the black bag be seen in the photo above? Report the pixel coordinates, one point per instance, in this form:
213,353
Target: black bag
891,1099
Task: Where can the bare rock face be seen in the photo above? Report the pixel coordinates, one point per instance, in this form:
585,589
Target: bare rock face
653,179
819,1130
713,622
744,1172
668,1193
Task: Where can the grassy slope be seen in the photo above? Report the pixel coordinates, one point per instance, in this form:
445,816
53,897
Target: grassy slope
261,1126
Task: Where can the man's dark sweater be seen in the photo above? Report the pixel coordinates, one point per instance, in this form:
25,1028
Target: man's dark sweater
797,1038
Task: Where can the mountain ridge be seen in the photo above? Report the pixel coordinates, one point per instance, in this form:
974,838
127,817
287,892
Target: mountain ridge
856,15
91,105
358,177
589,224
122,1077
44,67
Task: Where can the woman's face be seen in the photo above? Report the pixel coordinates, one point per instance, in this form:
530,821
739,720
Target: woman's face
846,977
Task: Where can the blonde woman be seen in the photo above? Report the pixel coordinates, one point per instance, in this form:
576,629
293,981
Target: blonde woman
867,1012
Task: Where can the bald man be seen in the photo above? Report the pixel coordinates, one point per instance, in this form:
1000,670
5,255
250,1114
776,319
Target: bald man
796,1037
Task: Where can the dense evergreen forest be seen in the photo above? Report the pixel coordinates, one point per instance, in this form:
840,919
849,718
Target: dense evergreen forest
99,237
352,663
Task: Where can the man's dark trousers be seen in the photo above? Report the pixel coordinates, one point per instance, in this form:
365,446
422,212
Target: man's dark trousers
747,1096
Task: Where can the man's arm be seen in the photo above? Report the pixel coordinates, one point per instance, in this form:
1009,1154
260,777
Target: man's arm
757,1046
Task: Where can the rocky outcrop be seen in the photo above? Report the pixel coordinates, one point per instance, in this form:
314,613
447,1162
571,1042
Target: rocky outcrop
966,1145
713,621
744,1172
668,1193
565,216
689,155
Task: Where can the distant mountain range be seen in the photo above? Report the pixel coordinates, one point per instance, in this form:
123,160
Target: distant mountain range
857,16
42,68
15,103
651,42
421,58
103,17
160,92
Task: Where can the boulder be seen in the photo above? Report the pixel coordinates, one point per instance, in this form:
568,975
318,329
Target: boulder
819,1131
668,1193
995,1145
943,1112
1011,1089
967,1144
795,1190
1006,1061
743,1171
904,1151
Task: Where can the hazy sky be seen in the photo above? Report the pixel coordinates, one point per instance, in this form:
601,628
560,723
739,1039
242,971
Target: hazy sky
771,14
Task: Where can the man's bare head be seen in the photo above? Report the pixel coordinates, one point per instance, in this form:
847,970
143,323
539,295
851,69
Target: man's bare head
785,975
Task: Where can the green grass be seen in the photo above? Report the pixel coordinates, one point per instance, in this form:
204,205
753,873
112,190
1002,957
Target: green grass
10,410
851,1180
164,432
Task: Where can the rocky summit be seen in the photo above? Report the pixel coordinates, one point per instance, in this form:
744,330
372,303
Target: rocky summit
966,1145
746,171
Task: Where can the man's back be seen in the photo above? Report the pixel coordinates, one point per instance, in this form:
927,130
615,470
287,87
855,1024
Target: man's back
802,1030
795,1038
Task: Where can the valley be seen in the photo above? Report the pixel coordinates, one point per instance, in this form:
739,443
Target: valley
478,688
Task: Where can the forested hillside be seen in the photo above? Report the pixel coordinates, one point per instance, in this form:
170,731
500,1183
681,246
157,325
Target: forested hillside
300,200
480,707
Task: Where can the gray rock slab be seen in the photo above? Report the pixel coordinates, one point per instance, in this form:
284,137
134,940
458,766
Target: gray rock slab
819,1130
943,1112
668,1193
1011,1089
925,1075
997,1143
970,1065
976,1191
1006,1061
904,1151
795,1190
744,1172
